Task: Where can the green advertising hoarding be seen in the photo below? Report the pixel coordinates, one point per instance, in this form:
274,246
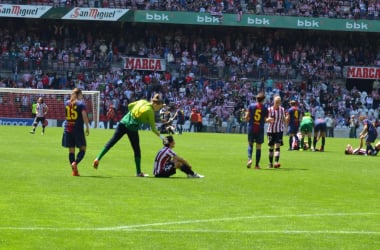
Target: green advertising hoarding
192,18
263,21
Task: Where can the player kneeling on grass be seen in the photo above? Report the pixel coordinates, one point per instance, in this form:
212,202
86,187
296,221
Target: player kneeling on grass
167,161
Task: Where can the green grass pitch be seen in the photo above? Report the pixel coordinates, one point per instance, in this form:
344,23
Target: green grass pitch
314,201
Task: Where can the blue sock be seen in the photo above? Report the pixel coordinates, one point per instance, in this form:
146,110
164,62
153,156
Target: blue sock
258,156
71,157
80,155
249,151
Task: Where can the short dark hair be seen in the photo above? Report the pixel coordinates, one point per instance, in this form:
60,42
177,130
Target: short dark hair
293,102
167,140
157,99
260,97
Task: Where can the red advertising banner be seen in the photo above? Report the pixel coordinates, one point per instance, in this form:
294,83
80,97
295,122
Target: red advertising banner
363,72
143,63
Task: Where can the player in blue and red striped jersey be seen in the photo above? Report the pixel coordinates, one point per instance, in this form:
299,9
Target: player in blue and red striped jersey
369,132
256,116
320,129
73,135
167,161
293,121
277,123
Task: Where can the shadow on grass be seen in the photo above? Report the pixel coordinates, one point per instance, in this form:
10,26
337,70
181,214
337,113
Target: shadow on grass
286,169
131,176
98,176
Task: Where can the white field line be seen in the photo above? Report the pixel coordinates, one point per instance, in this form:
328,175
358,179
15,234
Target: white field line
140,227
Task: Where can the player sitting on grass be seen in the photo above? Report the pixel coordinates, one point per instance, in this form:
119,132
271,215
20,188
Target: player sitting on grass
167,161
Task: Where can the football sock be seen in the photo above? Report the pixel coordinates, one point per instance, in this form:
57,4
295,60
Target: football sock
277,155
258,156
309,141
138,164
71,157
314,141
271,155
369,148
323,142
186,169
297,140
302,142
290,142
80,155
250,151
102,153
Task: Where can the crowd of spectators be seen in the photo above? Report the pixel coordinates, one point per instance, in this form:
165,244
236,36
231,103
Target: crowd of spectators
355,9
314,59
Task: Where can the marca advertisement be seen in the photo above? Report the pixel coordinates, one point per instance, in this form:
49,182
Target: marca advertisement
143,63
353,72
23,11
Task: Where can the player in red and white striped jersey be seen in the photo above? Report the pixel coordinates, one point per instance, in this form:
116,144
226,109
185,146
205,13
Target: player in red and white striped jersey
277,123
41,111
167,161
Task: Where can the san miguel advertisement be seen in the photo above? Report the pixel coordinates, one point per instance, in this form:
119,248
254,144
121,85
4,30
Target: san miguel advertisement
23,11
143,63
363,72
95,14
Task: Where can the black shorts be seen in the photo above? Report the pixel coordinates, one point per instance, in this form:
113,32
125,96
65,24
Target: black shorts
256,137
293,130
320,127
168,170
39,119
73,139
275,138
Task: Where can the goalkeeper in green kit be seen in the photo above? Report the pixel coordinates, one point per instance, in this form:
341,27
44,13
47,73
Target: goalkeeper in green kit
306,128
139,112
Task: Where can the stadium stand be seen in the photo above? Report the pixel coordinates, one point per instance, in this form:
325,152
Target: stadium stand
210,71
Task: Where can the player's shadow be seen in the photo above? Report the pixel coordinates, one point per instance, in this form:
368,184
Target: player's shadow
97,176
287,169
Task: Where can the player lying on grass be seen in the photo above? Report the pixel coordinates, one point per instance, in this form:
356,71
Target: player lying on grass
360,150
167,161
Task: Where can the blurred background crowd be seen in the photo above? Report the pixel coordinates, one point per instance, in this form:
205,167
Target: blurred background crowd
216,71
